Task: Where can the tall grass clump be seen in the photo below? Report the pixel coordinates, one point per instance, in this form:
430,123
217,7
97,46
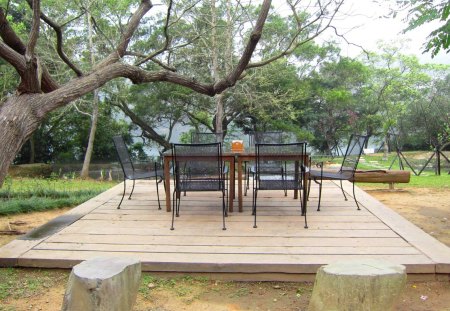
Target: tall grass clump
22,195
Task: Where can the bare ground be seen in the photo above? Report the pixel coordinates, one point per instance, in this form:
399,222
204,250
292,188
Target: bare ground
427,208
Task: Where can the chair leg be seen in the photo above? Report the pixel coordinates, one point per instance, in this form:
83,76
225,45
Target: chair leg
320,194
354,196
304,214
173,210
309,189
343,192
300,196
157,193
178,200
247,179
132,189
255,196
224,210
226,202
123,195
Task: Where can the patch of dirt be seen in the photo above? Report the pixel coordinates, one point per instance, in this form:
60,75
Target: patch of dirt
427,208
25,223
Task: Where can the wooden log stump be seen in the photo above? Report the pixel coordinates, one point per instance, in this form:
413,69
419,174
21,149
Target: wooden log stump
382,176
103,284
366,285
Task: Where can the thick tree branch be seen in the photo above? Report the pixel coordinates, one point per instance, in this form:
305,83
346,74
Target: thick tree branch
150,132
234,75
166,36
59,41
12,57
34,34
13,43
135,19
9,36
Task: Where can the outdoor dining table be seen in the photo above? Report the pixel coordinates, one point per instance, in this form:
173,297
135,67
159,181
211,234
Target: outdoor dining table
231,158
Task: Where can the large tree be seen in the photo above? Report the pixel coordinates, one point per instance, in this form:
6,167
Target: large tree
40,92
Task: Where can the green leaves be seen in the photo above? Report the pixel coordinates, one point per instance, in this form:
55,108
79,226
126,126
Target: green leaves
422,12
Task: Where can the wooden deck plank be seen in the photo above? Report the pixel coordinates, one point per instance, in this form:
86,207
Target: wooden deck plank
229,240
249,263
280,248
211,224
232,249
185,230
235,217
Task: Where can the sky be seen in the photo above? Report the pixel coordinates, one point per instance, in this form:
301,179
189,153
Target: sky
364,26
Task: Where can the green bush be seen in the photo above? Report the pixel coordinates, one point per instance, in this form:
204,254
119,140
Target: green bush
31,170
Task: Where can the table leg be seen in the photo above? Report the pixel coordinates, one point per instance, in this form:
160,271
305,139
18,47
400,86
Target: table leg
296,178
167,161
305,192
232,186
240,203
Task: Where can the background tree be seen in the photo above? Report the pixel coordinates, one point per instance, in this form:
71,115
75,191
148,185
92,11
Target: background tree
421,12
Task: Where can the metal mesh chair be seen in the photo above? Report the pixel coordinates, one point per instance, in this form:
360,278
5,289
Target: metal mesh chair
152,170
198,167
259,138
279,167
347,170
208,138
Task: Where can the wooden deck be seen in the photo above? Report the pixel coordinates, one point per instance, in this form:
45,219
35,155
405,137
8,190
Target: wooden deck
279,249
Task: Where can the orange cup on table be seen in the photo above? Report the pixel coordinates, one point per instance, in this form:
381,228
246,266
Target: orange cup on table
237,146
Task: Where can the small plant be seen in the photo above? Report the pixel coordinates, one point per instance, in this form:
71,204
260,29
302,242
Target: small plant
241,292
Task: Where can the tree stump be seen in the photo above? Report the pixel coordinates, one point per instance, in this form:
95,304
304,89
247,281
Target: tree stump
371,285
103,284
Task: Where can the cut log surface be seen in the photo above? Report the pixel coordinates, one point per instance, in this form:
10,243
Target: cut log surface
382,176
358,285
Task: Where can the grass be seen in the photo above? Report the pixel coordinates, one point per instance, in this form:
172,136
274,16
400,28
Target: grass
23,283
23,195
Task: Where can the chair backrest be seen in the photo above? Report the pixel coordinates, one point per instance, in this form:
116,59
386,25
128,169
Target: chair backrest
265,138
124,156
278,162
205,138
198,162
353,153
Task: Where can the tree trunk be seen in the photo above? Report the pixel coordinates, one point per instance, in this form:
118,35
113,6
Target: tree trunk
215,67
219,113
90,148
386,147
20,117
94,118
32,158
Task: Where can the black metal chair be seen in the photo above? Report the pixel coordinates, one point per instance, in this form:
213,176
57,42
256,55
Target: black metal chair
347,170
254,138
208,138
198,167
274,170
152,170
